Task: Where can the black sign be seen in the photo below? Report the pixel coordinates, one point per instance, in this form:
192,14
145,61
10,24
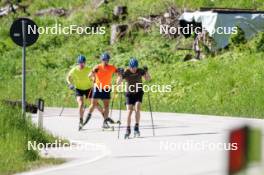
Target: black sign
30,32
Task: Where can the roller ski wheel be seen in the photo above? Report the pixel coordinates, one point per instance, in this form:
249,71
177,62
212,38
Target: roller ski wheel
127,136
136,134
106,127
111,128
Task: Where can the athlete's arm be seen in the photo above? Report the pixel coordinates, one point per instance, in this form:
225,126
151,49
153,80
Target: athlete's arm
69,81
92,76
69,77
92,73
115,70
146,75
120,75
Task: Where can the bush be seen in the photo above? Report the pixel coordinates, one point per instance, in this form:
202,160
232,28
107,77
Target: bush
239,38
260,42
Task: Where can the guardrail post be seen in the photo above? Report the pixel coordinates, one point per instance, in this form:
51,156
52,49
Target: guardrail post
40,105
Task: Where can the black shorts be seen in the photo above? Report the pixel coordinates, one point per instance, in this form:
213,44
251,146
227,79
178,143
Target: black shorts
101,94
87,93
132,98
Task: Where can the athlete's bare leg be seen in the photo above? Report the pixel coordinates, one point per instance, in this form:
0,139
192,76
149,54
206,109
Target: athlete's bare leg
106,108
94,103
137,109
80,102
129,113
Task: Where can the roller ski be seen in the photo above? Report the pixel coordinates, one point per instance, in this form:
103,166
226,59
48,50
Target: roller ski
136,131
128,132
136,134
111,121
107,127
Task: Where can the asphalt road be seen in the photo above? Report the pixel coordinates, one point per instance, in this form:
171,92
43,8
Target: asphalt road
184,144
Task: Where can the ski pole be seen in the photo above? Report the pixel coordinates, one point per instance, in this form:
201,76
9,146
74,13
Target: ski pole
120,105
89,94
112,104
150,110
62,108
66,98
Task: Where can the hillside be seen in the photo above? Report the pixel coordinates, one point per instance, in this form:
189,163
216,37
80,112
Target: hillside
230,83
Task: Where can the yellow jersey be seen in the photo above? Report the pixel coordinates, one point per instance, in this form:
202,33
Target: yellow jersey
80,77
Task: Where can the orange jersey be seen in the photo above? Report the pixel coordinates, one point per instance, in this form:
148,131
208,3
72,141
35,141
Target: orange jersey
103,75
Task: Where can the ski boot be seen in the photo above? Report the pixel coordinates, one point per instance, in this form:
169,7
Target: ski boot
136,131
81,124
111,121
87,119
106,126
128,132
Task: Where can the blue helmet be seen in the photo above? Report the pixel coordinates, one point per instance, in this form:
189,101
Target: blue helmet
133,63
105,57
81,59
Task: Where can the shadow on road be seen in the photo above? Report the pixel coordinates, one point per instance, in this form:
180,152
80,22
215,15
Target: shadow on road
185,134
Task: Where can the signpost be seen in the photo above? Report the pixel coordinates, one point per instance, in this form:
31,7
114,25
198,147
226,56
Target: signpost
22,35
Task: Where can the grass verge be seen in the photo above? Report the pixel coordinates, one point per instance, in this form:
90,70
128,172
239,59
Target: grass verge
15,132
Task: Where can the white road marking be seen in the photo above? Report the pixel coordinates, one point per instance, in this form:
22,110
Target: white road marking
104,149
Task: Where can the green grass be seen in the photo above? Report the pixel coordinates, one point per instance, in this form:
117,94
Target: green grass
15,132
228,84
